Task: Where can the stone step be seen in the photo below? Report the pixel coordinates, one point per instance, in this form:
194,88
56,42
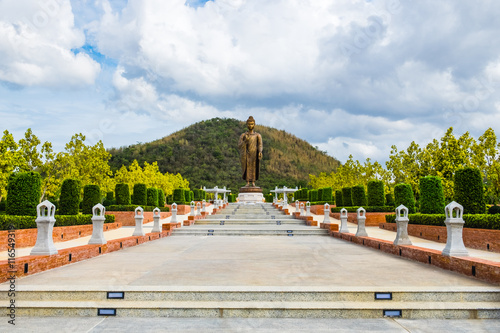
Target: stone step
248,221
233,232
251,216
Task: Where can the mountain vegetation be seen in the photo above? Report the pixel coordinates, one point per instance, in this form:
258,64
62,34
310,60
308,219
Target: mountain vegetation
206,153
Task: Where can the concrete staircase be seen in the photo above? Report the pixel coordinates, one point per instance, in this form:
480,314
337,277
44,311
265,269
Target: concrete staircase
263,302
250,220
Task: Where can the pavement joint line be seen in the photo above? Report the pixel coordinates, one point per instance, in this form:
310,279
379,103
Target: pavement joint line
400,324
97,324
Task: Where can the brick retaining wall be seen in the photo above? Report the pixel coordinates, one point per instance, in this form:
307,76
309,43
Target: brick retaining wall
485,270
128,219
480,239
372,219
27,237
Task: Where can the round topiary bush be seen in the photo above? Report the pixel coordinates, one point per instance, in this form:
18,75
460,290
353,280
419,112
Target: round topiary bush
140,196
338,198
346,197
69,200
358,195
468,188
431,195
161,198
23,193
403,195
91,197
376,193
122,194
152,197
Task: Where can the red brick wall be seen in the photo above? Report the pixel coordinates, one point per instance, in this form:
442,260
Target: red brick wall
480,239
27,237
484,270
38,264
372,219
128,219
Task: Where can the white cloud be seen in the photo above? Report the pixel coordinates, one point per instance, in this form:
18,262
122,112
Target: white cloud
36,42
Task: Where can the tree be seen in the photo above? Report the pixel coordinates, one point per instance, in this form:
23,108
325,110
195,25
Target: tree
10,160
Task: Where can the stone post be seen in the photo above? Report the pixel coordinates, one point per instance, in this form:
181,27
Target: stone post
361,217
97,225
204,206
308,208
343,221
285,198
192,209
198,209
326,219
44,224
302,209
174,213
139,217
402,224
297,206
156,219
454,227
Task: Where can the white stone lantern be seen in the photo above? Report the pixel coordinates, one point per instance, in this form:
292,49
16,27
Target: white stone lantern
361,218
198,209
139,218
156,220
45,225
454,229
302,209
204,206
297,206
174,213
308,208
326,211
192,209
402,226
343,221
98,218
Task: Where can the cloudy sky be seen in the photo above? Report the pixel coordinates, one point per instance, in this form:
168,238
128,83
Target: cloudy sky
351,77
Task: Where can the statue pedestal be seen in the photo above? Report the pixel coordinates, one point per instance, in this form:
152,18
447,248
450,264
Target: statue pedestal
250,194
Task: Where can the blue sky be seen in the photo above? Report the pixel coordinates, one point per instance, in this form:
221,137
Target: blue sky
351,77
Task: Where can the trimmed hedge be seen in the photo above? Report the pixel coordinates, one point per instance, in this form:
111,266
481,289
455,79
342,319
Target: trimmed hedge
152,197
327,194
431,195
369,209
131,208
375,196
91,197
69,200
476,221
189,195
403,195
23,193
389,199
161,198
301,195
199,195
28,222
109,200
313,195
140,196
469,190
179,195
122,194
358,195
346,197
269,197
231,197
338,198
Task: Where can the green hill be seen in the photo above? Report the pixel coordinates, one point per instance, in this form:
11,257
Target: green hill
206,153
